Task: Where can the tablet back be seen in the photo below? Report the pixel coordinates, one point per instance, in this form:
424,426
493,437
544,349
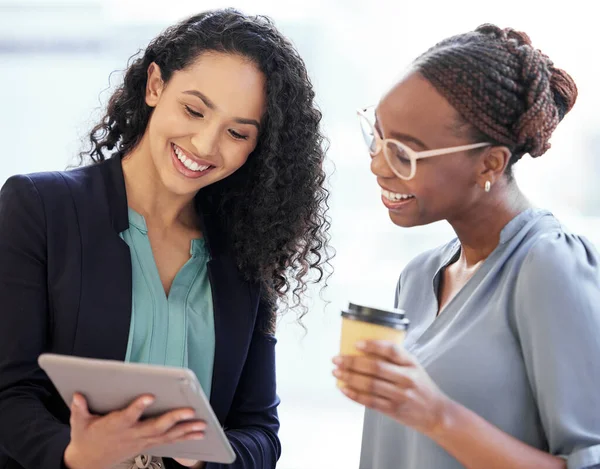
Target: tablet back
110,385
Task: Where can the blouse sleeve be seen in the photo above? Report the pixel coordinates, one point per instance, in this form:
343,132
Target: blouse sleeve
557,319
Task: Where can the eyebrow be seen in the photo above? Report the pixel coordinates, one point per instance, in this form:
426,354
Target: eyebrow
210,105
401,137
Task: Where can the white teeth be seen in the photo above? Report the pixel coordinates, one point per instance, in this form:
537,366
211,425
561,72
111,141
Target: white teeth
189,164
395,197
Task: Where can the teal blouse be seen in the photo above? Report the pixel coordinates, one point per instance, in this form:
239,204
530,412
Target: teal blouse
174,330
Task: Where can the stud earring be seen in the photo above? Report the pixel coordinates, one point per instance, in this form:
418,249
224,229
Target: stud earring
488,186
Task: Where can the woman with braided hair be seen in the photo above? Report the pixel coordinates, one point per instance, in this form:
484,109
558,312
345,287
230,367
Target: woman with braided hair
203,210
500,366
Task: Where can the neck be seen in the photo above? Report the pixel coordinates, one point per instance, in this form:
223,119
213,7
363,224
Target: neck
479,228
147,195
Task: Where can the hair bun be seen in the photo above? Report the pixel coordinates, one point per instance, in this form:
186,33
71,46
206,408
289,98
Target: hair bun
549,92
564,90
506,34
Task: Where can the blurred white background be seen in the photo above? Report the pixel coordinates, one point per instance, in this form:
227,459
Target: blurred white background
55,62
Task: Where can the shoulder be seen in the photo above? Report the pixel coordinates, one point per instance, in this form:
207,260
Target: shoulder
559,277
56,197
557,257
54,187
50,184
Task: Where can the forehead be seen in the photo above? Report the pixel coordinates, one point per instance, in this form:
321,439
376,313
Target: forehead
414,107
232,82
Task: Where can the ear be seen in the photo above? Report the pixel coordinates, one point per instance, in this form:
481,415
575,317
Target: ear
154,85
493,164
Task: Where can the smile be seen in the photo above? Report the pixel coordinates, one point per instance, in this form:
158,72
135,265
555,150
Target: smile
188,162
395,197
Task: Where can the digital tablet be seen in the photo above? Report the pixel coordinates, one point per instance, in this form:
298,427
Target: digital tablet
110,385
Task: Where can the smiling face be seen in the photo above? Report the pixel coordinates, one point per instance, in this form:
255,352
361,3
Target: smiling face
205,122
444,187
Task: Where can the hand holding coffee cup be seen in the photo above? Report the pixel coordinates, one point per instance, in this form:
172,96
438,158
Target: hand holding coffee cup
375,370
360,323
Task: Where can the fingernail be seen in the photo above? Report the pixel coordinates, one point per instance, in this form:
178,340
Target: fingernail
337,360
147,401
199,427
361,345
337,373
199,437
188,415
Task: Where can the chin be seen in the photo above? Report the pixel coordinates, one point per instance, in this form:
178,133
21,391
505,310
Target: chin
404,221
178,185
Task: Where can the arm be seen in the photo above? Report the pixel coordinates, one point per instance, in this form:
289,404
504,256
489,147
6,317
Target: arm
391,381
29,433
557,319
477,444
252,423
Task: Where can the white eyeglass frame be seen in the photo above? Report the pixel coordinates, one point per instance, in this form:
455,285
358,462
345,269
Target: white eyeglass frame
381,143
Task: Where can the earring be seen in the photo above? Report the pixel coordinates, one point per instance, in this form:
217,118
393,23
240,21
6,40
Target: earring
488,186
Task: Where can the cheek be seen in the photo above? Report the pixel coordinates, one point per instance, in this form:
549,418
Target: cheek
235,155
169,123
441,187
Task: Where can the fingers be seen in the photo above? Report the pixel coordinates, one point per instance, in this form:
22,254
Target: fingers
186,462
80,414
348,366
389,351
132,414
179,432
165,423
368,400
371,385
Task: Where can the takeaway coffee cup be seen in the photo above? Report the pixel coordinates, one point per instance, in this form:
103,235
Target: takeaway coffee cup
368,323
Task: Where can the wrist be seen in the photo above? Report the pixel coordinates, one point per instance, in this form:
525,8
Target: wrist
446,422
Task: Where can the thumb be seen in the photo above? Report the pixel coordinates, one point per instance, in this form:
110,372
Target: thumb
186,462
80,414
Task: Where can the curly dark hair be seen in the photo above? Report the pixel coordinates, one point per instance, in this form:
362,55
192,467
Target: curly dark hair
509,92
274,208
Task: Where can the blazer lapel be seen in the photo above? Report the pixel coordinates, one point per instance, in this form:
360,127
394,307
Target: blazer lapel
235,306
105,304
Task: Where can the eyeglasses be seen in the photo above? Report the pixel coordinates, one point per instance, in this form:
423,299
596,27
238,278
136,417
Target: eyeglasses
401,159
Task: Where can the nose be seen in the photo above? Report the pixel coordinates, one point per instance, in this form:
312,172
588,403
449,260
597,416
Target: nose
380,168
206,140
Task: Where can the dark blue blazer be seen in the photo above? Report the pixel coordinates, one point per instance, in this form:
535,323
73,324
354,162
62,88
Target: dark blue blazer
65,287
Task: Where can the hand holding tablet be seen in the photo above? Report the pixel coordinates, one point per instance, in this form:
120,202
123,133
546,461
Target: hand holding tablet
152,409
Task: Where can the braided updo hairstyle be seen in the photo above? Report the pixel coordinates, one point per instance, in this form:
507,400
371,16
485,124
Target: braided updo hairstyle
509,92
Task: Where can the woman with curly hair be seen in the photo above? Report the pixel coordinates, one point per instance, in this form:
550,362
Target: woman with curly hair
499,368
203,209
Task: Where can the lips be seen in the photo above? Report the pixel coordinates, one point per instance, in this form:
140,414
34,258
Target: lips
395,200
395,196
190,162
188,165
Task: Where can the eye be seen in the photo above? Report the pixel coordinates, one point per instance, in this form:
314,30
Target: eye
398,153
193,113
237,136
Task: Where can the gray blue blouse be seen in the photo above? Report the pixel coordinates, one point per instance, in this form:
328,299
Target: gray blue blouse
174,330
519,345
